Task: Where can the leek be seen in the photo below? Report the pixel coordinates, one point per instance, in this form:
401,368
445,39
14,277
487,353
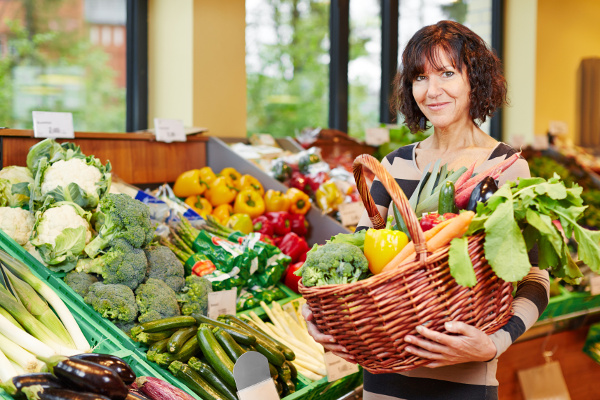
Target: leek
24,339
7,371
9,317
39,309
27,361
22,271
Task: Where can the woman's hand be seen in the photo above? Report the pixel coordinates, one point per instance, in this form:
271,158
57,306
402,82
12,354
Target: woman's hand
327,341
468,344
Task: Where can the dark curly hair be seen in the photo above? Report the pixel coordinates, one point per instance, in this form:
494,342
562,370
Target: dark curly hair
465,49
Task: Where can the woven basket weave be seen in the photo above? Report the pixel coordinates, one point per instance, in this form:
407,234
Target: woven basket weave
371,317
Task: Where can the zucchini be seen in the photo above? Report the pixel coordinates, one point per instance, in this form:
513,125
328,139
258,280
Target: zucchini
159,325
208,373
241,336
148,338
189,349
273,354
446,202
160,346
231,347
179,338
215,354
195,382
293,369
252,328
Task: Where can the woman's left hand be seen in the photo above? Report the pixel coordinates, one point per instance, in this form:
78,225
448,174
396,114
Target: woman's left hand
465,345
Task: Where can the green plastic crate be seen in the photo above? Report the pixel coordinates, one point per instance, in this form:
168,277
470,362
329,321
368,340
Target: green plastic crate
592,343
557,305
323,390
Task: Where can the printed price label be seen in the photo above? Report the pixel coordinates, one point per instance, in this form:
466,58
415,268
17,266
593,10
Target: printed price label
337,367
377,136
222,302
169,130
55,125
595,285
350,213
264,390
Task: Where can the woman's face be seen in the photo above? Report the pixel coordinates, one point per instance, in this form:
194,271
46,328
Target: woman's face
443,95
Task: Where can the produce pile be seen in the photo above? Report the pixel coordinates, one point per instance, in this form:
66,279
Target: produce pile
201,352
454,205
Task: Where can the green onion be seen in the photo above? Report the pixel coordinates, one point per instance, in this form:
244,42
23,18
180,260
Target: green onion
22,271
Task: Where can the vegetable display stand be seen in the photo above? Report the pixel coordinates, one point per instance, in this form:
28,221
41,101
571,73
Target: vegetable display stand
371,317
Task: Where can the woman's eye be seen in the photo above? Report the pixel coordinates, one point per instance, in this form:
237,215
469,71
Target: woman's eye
420,78
448,74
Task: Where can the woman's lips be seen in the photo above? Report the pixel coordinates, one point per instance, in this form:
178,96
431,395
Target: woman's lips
436,106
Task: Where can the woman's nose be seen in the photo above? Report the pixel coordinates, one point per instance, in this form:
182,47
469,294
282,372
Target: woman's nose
434,89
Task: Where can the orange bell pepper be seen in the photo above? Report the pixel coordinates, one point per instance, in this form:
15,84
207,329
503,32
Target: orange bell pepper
193,182
249,202
299,201
250,182
222,212
276,201
199,204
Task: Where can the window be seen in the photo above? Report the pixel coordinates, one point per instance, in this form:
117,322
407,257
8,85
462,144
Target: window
66,55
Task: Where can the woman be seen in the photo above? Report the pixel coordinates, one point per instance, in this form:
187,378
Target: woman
450,79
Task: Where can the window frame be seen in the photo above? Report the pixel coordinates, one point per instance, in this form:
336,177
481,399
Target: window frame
136,103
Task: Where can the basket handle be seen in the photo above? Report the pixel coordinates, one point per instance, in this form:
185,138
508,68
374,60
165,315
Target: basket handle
397,195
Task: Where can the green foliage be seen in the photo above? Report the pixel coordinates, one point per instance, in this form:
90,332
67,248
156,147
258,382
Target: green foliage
460,263
156,300
116,302
164,265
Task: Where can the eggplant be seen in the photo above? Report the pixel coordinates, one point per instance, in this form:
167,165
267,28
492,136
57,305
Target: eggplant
482,192
135,394
66,394
91,377
115,363
44,380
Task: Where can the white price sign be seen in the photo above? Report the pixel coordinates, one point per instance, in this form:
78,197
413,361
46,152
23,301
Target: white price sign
337,367
595,285
55,125
350,213
377,136
222,302
264,390
169,130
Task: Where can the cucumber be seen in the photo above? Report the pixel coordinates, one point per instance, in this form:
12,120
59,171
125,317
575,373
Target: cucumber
195,382
179,338
208,373
231,347
253,329
215,354
446,202
241,336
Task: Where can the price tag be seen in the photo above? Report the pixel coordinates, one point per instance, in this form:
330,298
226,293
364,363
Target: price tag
540,142
264,390
377,136
350,213
222,302
252,377
56,125
169,130
595,285
337,367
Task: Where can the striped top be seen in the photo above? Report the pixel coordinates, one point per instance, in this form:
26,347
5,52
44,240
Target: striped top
474,380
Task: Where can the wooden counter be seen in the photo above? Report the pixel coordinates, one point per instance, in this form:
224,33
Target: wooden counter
136,158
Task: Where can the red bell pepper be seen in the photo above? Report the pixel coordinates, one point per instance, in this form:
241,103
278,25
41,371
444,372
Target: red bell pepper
294,246
290,279
304,183
299,224
263,225
281,222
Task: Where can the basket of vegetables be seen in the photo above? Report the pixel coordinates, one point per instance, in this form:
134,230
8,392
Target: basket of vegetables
461,269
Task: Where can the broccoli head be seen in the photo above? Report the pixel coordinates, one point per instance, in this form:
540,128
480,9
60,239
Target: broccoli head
122,264
164,265
121,216
332,264
156,300
80,282
194,296
116,302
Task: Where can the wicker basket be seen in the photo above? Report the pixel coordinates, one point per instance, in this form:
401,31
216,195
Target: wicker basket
371,317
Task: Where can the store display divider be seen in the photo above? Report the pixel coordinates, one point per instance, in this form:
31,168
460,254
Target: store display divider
219,155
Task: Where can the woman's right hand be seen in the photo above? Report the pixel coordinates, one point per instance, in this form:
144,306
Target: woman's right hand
327,341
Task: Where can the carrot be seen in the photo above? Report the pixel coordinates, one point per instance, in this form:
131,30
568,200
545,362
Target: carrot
464,177
498,168
410,247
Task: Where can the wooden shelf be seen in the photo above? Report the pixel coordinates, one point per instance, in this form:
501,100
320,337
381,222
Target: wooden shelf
136,158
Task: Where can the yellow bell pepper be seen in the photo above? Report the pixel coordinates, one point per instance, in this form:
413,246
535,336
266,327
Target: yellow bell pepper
199,204
241,222
232,174
381,246
250,182
299,201
328,196
222,191
249,202
222,212
192,182
276,201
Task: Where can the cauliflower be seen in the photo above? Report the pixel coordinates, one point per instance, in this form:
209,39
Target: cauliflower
16,223
62,173
60,234
14,186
